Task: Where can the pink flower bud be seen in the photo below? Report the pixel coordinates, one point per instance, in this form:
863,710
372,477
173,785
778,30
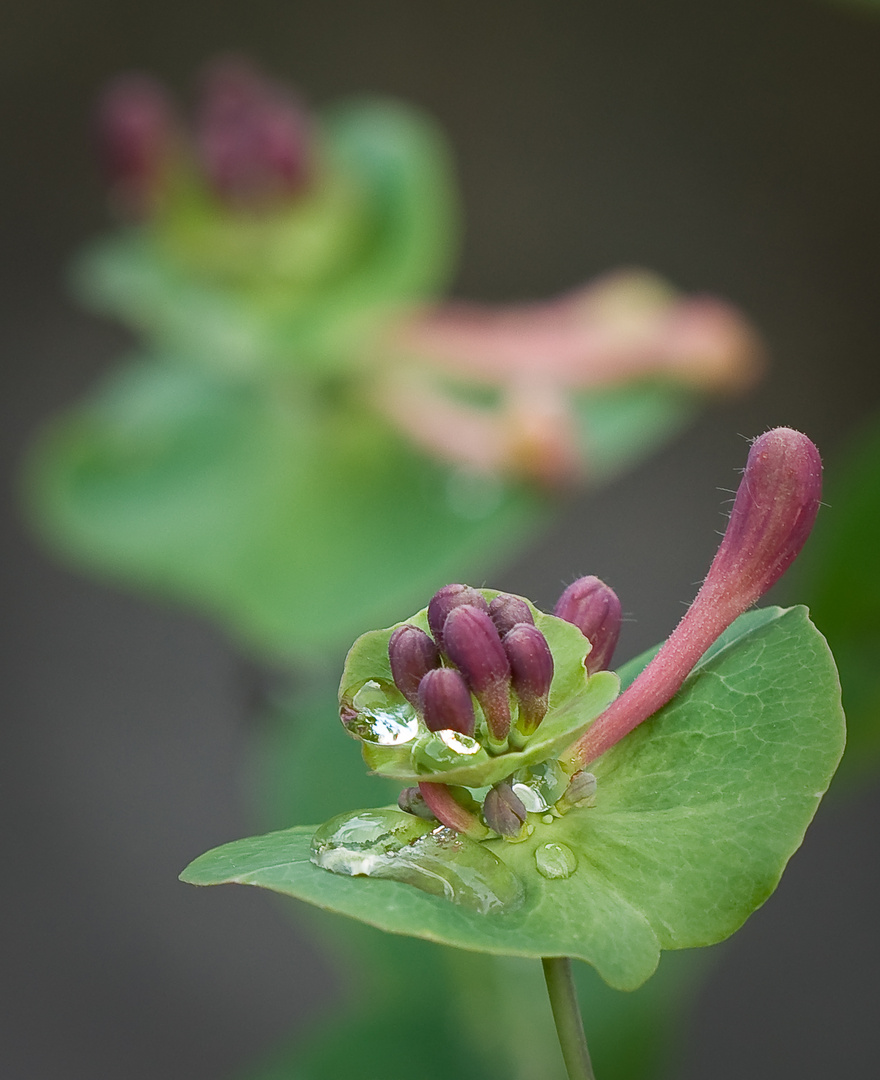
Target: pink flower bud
531,667
445,702
136,132
593,607
504,811
254,138
412,654
506,611
472,643
773,513
447,598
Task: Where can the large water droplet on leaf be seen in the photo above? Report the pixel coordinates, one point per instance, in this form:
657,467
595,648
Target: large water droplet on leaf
539,786
439,750
399,847
555,860
382,715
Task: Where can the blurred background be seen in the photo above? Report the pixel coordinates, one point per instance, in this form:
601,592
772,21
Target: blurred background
732,148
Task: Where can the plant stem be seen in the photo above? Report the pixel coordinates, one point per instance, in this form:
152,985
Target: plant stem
567,1014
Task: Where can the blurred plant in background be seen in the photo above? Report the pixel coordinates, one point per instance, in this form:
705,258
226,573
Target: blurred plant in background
308,438
305,430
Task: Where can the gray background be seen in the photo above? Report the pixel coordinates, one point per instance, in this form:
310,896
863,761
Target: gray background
731,147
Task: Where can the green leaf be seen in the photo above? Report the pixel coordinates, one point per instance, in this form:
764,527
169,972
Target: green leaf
293,523
697,813
405,237
574,702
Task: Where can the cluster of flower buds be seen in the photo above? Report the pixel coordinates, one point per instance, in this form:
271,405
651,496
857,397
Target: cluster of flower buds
251,145
491,652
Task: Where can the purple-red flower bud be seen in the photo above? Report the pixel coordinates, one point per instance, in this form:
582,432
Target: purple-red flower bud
472,643
531,669
444,600
412,655
136,132
504,811
593,607
253,138
445,702
506,611
773,513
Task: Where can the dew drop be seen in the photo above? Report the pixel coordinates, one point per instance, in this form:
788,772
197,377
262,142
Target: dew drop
555,860
447,749
396,846
383,716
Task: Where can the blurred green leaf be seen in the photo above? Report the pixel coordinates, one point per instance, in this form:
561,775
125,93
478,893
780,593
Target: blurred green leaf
293,523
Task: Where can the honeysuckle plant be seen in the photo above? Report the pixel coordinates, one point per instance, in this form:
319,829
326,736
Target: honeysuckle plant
301,393
545,814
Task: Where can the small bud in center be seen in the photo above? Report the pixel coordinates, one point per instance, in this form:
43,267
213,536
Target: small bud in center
472,643
531,667
444,600
506,611
504,811
593,607
445,702
412,655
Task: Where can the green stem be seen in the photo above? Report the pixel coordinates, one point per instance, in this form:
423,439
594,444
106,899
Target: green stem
567,1014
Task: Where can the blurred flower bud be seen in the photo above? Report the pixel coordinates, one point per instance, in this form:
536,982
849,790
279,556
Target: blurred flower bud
472,643
506,611
136,134
447,598
445,702
412,654
773,513
531,668
593,607
254,139
503,811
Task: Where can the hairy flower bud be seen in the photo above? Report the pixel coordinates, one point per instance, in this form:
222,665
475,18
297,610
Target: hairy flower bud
504,811
472,643
136,130
506,611
412,655
253,138
531,669
445,702
445,600
593,607
773,513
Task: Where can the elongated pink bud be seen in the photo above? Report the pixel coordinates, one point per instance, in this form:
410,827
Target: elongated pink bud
443,805
506,611
531,668
445,702
412,655
472,643
444,600
593,607
773,513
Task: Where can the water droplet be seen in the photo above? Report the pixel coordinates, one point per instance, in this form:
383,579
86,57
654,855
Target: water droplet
439,750
539,786
392,845
555,860
548,819
382,715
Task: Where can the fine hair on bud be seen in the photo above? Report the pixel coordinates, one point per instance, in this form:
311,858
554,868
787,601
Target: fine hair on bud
531,670
445,600
506,611
472,643
593,607
412,655
445,702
